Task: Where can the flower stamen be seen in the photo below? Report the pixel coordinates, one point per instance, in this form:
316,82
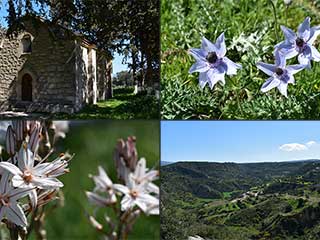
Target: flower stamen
212,57
279,71
134,193
300,42
27,176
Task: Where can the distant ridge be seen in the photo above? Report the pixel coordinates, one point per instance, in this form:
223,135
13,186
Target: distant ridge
289,161
164,163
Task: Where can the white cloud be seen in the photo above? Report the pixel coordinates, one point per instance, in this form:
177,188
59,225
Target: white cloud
310,143
290,147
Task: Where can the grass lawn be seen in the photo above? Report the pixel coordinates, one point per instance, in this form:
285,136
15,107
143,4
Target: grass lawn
123,105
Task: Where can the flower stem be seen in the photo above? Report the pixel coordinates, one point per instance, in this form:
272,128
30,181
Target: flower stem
275,19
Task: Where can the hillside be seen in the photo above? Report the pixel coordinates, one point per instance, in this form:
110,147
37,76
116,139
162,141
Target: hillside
279,200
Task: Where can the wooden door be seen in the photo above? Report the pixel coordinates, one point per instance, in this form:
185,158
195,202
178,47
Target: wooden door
26,88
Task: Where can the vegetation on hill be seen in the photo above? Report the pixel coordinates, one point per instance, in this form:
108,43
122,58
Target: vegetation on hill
241,201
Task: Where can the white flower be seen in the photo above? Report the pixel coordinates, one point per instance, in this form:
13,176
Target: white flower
60,128
103,182
135,194
141,175
100,201
9,207
104,185
27,175
287,2
195,238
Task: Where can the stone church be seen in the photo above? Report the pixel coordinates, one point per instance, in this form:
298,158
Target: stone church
48,68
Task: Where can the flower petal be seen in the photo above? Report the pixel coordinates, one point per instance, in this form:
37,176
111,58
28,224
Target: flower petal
16,215
103,175
46,183
98,200
10,168
203,79
269,84
287,50
280,60
293,69
214,77
207,46
33,196
289,34
221,46
198,54
199,66
4,183
20,193
304,29
315,54
121,188
304,60
25,157
268,69
17,181
127,203
283,88
314,33
232,67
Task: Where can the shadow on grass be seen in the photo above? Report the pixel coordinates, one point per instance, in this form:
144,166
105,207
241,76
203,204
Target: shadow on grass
124,105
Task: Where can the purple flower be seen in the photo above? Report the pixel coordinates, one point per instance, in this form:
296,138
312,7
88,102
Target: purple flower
211,62
280,74
300,44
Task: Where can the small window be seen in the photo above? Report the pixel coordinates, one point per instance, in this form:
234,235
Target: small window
26,44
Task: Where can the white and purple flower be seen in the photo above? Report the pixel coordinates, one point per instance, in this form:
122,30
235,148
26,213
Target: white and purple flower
211,62
280,74
300,43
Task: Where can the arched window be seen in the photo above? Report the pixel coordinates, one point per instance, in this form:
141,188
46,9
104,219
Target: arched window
26,44
26,88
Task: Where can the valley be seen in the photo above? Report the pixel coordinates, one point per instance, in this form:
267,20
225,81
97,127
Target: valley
277,200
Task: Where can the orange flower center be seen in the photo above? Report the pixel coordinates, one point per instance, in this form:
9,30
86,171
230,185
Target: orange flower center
134,193
27,176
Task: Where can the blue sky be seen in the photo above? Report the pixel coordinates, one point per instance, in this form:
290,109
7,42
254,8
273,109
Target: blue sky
117,61
239,141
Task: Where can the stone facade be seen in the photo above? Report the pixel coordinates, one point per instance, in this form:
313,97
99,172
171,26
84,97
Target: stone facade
48,68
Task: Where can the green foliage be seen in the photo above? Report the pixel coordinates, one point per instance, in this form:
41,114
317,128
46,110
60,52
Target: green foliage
256,200
124,105
250,37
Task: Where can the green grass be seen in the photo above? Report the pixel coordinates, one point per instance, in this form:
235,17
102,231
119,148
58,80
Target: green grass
250,37
123,105
93,143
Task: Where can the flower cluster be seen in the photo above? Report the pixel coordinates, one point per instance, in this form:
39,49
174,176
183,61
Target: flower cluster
28,172
295,44
135,195
212,64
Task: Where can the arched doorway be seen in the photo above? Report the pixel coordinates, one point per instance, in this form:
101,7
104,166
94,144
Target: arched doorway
26,88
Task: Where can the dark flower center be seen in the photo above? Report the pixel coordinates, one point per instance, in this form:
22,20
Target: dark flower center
279,71
299,42
212,57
